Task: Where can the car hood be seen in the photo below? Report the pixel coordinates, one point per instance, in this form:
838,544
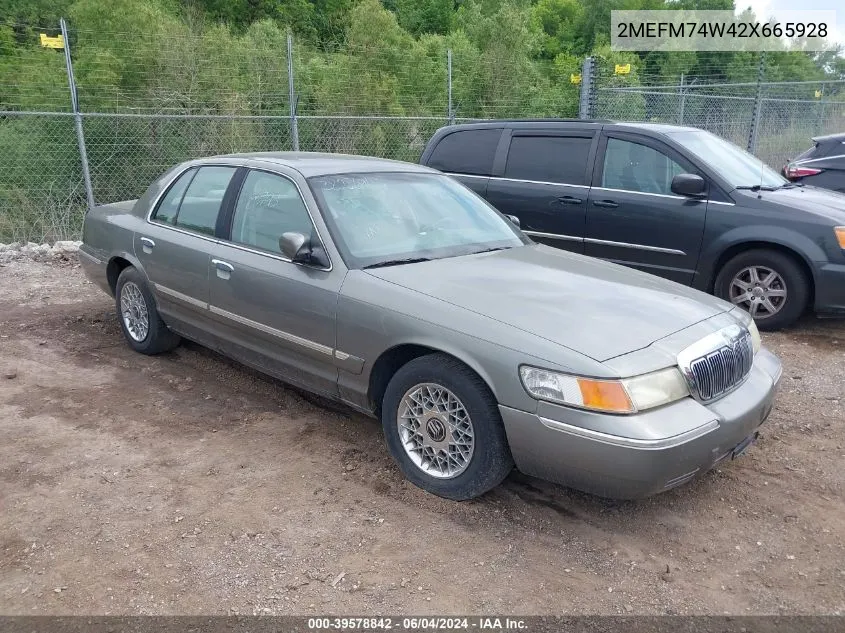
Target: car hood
598,309
820,202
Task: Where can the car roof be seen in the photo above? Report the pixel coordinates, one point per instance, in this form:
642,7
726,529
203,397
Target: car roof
660,128
311,164
664,128
829,137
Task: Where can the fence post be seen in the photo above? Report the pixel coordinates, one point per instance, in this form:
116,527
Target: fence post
758,105
682,101
292,98
821,126
586,100
450,109
77,118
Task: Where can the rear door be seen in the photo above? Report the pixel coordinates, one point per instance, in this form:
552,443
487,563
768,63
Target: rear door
466,155
633,217
544,180
174,247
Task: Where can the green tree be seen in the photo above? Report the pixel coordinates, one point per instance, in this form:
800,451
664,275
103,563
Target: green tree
34,13
420,17
559,19
503,78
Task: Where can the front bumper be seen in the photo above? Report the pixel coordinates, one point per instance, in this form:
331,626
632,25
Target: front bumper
667,446
830,290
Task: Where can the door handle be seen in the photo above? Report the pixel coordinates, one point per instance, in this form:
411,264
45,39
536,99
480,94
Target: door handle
569,200
605,203
147,245
226,267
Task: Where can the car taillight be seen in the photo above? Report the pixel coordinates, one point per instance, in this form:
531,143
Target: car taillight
797,171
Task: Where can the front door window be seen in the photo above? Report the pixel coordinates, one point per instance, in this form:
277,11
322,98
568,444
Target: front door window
635,167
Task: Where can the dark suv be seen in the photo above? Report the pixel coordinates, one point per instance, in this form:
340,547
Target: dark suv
823,165
677,202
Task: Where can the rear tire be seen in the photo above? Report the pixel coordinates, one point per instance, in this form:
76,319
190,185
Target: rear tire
139,320
762,279
442,426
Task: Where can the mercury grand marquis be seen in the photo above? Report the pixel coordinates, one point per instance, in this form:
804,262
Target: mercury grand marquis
394,289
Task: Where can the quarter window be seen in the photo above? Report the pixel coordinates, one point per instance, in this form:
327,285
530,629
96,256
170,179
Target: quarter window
560,159
466,152
268,206
201,202
636,167
169,206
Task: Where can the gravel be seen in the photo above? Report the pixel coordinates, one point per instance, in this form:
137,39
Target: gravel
133,495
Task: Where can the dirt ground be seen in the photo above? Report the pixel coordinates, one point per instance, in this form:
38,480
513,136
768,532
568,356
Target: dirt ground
186,484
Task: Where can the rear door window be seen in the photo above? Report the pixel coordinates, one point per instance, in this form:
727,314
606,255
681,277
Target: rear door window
201,202
466,152
559,159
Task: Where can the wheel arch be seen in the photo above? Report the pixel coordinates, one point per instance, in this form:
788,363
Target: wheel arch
117,263
730,250
391,359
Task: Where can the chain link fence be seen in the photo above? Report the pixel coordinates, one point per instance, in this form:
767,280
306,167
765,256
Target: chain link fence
42,195
148,101
774,120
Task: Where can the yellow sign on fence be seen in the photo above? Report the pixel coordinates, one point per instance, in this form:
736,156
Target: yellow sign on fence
623,69
52,42
818,94
575,78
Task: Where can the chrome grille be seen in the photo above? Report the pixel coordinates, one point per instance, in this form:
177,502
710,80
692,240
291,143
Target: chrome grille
717,371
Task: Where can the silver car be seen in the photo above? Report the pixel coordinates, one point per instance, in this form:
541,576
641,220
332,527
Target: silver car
394,289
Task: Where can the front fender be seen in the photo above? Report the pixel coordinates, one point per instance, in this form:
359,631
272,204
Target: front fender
756,236
374,316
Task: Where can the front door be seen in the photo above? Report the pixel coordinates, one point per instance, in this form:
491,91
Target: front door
174,247
545,184
271,312
633,218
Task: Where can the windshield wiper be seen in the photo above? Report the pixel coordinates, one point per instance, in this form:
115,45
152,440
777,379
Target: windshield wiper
490,250
757,188
397,262
790,185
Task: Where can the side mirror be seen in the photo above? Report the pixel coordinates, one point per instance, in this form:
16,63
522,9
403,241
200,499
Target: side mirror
514,219
300,250
690,185
295,247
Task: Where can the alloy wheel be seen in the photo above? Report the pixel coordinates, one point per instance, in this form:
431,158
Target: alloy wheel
133,310
759,290
435,430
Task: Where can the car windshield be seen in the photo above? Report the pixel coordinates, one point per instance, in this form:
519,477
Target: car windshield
735,165
379,219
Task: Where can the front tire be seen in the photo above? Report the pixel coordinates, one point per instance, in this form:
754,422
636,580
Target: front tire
442,426
139,319
767,284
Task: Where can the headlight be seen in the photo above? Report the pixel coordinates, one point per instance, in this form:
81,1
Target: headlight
756,342
840,235
658,388
627,395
